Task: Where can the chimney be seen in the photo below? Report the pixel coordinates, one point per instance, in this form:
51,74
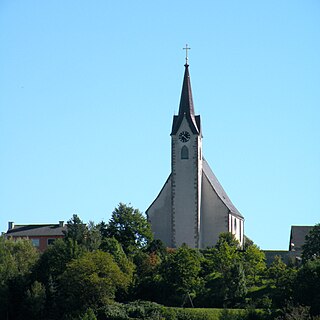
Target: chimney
10,225
61,223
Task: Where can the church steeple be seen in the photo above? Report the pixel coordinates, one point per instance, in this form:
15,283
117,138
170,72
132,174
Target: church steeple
186,108
186,101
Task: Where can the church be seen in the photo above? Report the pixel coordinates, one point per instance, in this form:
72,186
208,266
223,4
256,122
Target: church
192,206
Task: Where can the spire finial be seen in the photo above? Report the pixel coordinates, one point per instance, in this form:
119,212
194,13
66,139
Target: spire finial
186,48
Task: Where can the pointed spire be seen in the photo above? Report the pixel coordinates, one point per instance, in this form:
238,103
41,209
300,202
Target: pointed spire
186,109
186,101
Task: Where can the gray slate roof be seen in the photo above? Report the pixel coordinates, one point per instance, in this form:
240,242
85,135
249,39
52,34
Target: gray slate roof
298,237
286,256
219,189
36,230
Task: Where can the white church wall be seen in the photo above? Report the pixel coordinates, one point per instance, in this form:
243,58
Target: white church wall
159,215
214,215
236,228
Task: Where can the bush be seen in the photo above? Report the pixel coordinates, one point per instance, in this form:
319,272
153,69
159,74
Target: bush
114,311
144,310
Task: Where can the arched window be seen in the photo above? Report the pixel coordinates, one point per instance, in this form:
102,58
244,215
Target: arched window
184,153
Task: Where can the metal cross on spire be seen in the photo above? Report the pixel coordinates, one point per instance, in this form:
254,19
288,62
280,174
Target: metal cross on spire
186,48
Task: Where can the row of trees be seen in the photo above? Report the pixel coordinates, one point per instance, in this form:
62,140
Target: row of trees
95,266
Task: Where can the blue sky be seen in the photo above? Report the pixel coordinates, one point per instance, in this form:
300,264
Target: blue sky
88,90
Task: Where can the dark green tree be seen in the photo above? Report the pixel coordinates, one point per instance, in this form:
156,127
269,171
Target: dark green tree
90,282
311,247
128,226
94,238
226,253
276,271
281,280
307,285
180,273
229,238
35,301
53,261
77,231
224,273
254,263
17,259
112,246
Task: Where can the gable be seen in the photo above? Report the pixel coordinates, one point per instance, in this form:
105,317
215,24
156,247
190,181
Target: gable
298,237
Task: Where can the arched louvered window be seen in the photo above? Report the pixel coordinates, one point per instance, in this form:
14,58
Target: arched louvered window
184,153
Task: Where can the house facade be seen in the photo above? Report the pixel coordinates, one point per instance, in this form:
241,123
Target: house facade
41,235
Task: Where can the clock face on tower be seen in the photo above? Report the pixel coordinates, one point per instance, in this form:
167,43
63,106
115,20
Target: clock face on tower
184,136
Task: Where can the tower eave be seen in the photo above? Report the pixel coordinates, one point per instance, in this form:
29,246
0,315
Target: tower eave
193,121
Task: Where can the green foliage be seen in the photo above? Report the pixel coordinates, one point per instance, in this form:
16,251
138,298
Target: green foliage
277,270
180,272
225,253
229,238
93,237
83,275
311,247
281,279
156,246
76,230
247,314
147,283
135,310
294,312
114,311
112,246
128,226
91,281
17,259
307,285
53,261
225,277
35,300
254,263
89,315
144,310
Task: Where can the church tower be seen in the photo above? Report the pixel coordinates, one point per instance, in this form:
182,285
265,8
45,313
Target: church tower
186,170
192,207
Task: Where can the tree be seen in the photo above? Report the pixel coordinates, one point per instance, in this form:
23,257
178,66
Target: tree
311,247
17,258
53,261
224,272
307,285
129,227
94,237
76,230
277,270
281,281
180,273
112,246
91,281
225,253
35,301
89,315
229,238
254,262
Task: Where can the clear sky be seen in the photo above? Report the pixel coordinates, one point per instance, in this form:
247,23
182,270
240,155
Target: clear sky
88,90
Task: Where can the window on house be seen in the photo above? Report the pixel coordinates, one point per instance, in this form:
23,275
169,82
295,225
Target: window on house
35,242
50,241
184,153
